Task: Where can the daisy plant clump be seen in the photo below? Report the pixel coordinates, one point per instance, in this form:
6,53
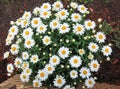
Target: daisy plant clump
56,46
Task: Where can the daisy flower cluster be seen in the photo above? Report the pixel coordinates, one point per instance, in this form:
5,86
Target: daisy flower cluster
56,46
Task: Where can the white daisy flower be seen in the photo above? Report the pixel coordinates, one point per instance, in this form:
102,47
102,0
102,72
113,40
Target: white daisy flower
34,59
42,75
8,41
59,81
90,56
81,51
94,65
25,55
27,33
64,28
75,61
18,62
67,87
37,83
49,68
25,64
54,60
73,74
100,37
6,54
27,71
42,28
29,43
46,6
85,72
63,52
75,17
82,9
19,21
89,24
57,5
63,14
24,77
13,30
78,29
14,49
54,24
36,11
46,40
35,22
107,50
25,23
74,5
10,68
45,14
93,47
10,36
26,15
89,82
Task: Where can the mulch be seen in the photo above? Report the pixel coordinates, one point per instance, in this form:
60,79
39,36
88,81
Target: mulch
109,71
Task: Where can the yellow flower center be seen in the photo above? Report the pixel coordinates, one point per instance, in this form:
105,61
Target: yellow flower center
64,27
9,68
76,16
45,6
59,81
45,13
54,60
41,28
106,50
79,29
18,62
47,40
27,32
57,5
93,46
14,48
55,24
85,72
27,71
42,74
28,42
63,52
24,76
90,82
95,65
25,22
34,58
36,84
82,8
62,13
19,20
12,30
26,15
89,23
75,61
35,21
49,68
73,73
101,36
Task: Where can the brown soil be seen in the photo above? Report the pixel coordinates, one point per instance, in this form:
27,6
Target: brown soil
109,71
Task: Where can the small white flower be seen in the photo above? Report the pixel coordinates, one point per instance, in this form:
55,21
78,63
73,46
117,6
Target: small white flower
54,24
13,30
35,22
89,82
46,40
14,49
45,6
74,5
26,15
10,36
45,14
36,11
24,23
8,41
54,60
42,75
64,28
27,33
94,65
25,55
24,77
59,81
25,64
75,17
75,61
90,56
78,29
81,51
29,43
107,50
18,62
93,47
10,68
63,14
19,21
73,74
49,68
100,37
85,72
89,24
6,54
37,83
82,9
34,59
42,28
27,71
63,52
57,5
